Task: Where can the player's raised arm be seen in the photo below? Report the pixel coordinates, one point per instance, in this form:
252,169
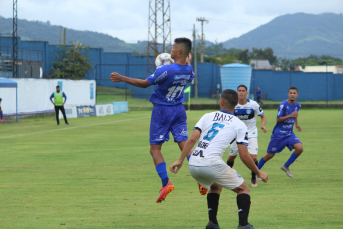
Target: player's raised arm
185,151
116,77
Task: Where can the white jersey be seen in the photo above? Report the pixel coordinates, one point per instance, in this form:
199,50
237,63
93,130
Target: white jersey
218,130
248,113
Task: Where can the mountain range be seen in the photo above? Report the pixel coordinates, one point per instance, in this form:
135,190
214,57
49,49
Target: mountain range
290,36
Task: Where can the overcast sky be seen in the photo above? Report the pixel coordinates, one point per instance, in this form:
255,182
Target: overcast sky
128,20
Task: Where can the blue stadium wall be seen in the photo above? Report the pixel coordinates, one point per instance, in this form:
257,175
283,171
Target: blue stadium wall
274,84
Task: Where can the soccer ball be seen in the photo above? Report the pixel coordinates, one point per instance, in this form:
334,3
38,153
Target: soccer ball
163,59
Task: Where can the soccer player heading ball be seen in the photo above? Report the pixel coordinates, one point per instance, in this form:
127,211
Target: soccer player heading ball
215,132
283,132
168,114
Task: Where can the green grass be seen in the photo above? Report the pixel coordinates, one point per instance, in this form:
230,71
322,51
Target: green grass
108,95
98,173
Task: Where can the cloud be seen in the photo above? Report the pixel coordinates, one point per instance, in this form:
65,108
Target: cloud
129,20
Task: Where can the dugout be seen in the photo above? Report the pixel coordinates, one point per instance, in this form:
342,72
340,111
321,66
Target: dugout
9,88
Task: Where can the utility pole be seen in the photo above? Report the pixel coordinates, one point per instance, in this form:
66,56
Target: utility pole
159,31
15,39
202,20
195,63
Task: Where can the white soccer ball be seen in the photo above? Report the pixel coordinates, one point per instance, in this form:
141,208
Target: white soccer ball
163,59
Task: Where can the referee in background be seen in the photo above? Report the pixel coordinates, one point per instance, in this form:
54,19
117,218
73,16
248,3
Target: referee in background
59,104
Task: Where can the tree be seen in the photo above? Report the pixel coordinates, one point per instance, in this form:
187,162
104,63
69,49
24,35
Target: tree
243,56
72,62
266,54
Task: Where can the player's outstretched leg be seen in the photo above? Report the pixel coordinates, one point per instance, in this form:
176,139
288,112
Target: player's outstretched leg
264,159
212,204
298,150
161,168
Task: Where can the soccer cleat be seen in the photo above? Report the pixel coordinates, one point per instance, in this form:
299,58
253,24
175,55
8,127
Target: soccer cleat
202,190
67,124
165,191
286,169
253,182
2,120
248,226
211,225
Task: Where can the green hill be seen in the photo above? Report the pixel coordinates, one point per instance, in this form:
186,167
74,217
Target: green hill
44,31
295,35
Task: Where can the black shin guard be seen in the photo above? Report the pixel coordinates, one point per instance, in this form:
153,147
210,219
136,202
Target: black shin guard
253,175
229,163
243,203
213,203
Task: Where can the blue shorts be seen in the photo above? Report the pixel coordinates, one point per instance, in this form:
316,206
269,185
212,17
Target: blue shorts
277,144
166,119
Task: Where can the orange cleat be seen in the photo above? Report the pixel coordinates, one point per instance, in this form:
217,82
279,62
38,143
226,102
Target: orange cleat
165,191
202,190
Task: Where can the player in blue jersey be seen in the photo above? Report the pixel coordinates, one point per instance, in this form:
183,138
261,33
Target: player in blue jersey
283,134
168,114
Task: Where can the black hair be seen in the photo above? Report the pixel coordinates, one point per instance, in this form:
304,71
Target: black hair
293,88
57,86
187,44
230,98
242,85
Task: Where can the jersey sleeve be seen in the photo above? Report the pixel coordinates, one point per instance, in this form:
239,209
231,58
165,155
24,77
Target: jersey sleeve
242,135
281,111
159,75
192,75
200,123
258,109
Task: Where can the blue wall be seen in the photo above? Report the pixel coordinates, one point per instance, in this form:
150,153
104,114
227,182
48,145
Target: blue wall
311,86
275,85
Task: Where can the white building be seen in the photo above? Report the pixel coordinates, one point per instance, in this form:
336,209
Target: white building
337,69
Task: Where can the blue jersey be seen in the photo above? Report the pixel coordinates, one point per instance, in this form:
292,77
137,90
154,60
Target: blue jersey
258,93
171,80
285,128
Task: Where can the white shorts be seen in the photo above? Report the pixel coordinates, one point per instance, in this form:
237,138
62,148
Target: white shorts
220,174
252,147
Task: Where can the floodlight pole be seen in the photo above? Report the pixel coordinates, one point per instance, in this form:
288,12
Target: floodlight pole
159,32
15,39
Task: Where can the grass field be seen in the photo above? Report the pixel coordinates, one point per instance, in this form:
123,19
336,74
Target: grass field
108,95
98,173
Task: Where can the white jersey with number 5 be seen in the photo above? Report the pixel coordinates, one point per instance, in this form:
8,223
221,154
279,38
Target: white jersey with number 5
218,130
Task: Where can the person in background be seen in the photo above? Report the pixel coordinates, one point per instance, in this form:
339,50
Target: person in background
259,95
1,112
58,102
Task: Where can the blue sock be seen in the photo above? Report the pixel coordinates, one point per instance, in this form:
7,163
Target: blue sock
189,156
261,163
162,172
2,115
291,159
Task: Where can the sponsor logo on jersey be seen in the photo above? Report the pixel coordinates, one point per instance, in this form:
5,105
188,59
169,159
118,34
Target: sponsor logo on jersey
182,82
182,77
287,126
244,114
161,77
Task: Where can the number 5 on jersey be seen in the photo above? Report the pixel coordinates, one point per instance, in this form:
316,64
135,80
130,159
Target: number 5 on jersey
213,131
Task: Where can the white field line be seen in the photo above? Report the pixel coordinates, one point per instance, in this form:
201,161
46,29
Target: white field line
69,128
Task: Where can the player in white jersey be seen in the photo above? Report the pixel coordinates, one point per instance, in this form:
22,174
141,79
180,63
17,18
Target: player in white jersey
247,110
215,132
